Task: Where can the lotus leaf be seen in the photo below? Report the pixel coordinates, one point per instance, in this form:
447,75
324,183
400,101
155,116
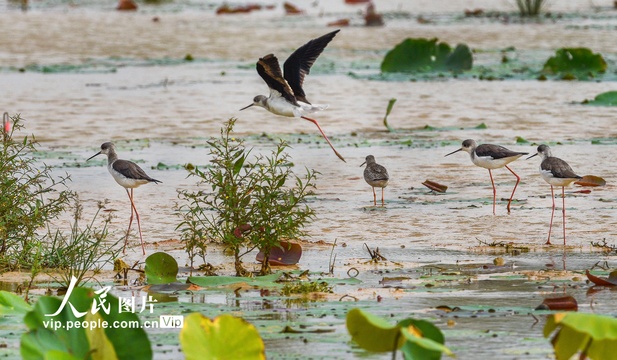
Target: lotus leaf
574,63
43,342
426,55
608,98
161,268
224,337
595,336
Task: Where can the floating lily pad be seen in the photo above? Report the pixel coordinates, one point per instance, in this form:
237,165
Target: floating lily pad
287,253
608,98
575,63
161,268
426,55
259,281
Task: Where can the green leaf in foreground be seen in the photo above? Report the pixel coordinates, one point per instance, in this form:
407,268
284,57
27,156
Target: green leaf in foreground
224,337
43,342
419,339
373,333
161,268
12,304
594,336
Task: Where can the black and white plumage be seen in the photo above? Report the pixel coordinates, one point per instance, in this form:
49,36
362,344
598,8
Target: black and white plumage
555,172
491,157
128,175
376,176
287,97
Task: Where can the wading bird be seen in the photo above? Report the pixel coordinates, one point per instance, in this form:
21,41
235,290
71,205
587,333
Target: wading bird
287,98
491,157
558,173
376,176
128,175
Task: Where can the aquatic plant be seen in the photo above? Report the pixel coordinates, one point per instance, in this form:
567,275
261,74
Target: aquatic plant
530,7
608,98
224,337
417,339
249,205
575,63
79,251
31,197
161,268
592,336
426,55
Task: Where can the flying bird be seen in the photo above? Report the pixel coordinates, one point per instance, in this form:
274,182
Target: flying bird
287,98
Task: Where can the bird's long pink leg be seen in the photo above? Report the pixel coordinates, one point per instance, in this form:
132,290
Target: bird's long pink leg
126,240
133,207
550,226
563,197
324,136
494,190
518,179
382,202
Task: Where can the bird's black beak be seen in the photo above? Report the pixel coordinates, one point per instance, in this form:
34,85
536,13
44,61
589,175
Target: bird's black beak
531,156
246,107
363,164
98,153
453,152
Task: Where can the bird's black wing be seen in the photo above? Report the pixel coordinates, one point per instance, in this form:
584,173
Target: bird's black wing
269,69
298,65
132,171
559,168
496,151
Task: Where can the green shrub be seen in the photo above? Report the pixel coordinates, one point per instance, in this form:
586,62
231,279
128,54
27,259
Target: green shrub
31,197
248,206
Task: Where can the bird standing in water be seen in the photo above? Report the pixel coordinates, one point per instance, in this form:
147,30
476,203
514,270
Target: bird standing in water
490,157
376,176
558,173
128,175
287,98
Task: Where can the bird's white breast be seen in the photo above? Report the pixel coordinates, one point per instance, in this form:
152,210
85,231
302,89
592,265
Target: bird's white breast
488,162
123,181
555,181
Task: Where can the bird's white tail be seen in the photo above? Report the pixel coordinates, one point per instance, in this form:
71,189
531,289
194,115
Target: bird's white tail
313,108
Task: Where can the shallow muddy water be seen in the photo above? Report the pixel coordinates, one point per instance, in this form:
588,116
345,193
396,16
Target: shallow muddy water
82,74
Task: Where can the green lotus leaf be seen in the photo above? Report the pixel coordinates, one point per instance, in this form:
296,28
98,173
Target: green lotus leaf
608,98
426,55
13,304
574,63
593,335
373,333
424,340
224,337
161,268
